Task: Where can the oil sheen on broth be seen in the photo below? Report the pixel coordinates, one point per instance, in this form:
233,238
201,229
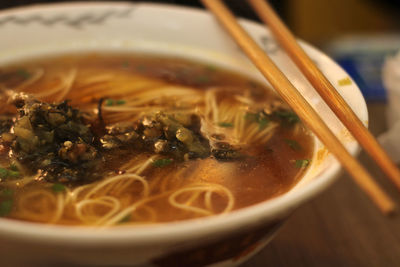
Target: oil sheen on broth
141,139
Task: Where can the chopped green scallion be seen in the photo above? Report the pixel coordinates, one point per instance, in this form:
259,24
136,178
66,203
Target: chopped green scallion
225,124
293,144
125,64
58,188
109,102
126,219
288,116
13,167
162,162
140,67
5,207
3,173
251,117
211,68
6,192
262,123
120,102
203,79
13,174
259,118
302,163
23,73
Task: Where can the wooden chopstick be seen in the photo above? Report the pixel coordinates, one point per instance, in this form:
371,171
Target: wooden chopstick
326,90
297,102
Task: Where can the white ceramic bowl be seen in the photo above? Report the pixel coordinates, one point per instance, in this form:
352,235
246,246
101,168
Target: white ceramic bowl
162,29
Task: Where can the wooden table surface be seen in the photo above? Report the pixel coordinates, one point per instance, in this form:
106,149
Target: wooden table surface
340,227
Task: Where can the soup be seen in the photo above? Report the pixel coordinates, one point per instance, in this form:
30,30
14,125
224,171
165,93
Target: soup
114,139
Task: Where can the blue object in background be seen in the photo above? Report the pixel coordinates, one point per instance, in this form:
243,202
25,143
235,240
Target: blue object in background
366,72
363,57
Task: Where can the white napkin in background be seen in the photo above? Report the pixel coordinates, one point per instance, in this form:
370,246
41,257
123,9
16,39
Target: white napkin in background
390,140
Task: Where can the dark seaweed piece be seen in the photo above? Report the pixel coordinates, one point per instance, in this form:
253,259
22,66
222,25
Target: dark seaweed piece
120,136
6,122
225,152
100,112
175,135
54,139
193,142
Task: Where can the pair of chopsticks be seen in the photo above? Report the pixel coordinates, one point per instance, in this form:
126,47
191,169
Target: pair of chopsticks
303,109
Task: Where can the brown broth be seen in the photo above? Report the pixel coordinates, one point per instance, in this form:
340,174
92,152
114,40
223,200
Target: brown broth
270,170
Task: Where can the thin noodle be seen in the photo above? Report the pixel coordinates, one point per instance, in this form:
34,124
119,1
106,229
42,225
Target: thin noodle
59,210
37,74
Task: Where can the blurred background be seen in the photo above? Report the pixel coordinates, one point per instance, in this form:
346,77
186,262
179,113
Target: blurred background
358,34
313,20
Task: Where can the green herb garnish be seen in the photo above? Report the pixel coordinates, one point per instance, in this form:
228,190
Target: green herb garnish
13,167
5,207
126,219
125,64
23,73
162,162
288,116
140,67
203,79
225,124
58,188
302,163
211,68
262,122
253,117
13,174
120,102
5,173
111,102
6,192
293,144
259,118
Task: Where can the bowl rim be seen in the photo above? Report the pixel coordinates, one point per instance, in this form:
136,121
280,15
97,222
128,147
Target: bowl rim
164,232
